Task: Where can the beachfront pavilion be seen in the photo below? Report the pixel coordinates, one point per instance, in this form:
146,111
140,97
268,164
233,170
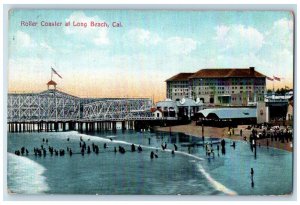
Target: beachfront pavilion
228,116
185,107
188,107
168,108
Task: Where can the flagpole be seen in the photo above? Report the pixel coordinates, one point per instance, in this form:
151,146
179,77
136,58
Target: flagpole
51,73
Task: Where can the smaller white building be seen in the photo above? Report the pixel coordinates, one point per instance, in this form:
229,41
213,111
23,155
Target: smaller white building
157,113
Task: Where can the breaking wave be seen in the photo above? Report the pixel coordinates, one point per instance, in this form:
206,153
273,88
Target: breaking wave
217,185
25,176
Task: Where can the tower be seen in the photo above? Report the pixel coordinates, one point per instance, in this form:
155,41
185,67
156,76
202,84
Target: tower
51,85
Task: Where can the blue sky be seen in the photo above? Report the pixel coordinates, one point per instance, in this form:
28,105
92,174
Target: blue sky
134,60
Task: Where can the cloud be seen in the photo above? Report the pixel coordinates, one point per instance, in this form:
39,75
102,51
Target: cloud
22,42
45,46
221,32
173,45
284,24
179,45
142,37
239,39
23,39
97,35
280,36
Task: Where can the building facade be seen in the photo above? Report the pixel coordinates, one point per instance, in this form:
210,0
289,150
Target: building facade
178,86
224,87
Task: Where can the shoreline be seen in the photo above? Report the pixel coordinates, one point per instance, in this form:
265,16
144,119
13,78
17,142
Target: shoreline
222,133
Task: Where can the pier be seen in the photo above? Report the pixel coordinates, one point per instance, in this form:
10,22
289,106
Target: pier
53,111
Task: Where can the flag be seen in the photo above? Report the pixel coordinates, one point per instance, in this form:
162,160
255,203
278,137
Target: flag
54,71
271,79
276,78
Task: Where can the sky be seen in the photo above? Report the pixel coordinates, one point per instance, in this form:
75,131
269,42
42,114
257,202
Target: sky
151,46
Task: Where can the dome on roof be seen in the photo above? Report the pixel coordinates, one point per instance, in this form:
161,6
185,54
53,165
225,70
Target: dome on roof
51,82
188,102
182,101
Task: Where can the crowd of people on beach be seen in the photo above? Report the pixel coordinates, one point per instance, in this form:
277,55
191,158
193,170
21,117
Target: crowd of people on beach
86,149
209,149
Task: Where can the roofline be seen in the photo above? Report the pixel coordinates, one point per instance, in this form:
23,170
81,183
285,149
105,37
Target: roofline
191,73
230,77
263,76
189,78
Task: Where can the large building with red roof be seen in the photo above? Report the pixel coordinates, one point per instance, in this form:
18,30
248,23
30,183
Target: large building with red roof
220,86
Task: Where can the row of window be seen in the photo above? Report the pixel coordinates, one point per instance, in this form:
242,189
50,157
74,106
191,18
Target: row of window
220,82
178,82
228,83
226,92
178,90
181,94
231,87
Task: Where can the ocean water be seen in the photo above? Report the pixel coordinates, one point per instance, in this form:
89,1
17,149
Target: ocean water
188,172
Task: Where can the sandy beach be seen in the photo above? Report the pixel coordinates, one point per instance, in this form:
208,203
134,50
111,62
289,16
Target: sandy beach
192,129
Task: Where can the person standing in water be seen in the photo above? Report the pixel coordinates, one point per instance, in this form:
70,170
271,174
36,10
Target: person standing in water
152,155
223,146
175,147
252,179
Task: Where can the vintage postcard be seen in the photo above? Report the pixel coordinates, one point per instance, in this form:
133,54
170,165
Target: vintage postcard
150,102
